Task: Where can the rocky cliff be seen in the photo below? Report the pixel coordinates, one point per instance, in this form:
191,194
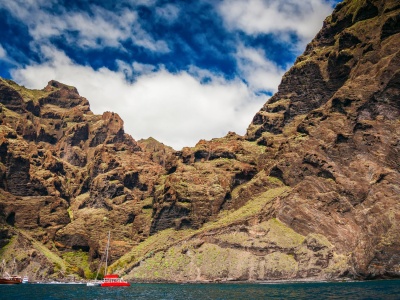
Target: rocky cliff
311,191
68,176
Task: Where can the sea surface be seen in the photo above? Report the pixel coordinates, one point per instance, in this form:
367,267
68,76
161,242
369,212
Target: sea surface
385,289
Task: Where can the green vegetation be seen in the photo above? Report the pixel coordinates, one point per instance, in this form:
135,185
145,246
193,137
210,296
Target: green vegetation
168,238
5,248
354,6
53,259
320,239
51,256
26,94
278,263
163,265
184,255
274,180
282,235
79,260
251,208
266,234
153,244
70,213
340,264
147,203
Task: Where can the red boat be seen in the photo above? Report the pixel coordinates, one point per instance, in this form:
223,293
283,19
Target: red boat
113,280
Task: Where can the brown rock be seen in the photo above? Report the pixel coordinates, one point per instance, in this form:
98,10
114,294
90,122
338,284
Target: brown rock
311,191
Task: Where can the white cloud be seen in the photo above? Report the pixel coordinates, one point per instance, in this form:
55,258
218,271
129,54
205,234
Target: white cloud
176,109
260,73
276,17
142,2
5,57
3,52
99,29
168,12
141,69
280,18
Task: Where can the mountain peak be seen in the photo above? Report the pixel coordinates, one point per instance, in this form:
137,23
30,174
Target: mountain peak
53,84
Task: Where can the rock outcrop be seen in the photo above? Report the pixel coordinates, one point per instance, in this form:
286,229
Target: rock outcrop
68,176
340,151
311,191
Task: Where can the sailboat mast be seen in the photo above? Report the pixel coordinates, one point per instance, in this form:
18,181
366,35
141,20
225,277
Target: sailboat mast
108,246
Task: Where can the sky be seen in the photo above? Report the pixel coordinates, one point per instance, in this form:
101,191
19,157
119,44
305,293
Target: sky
175,70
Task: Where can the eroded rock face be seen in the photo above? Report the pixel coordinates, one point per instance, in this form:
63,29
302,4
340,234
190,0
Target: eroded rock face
265,251
340,152
59,162
201,181
330,134
311,191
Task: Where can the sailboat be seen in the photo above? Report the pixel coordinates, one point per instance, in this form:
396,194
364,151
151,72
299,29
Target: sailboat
109,280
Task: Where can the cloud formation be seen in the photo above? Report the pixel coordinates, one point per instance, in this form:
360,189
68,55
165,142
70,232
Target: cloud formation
261,74
173,71
168,12
176,109
3,52
96,27
277,17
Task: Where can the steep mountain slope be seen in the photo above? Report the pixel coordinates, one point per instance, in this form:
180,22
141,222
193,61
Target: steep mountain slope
345,109
68,176
331,137
311,191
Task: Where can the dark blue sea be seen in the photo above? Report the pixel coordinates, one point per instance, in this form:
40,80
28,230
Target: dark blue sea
385,289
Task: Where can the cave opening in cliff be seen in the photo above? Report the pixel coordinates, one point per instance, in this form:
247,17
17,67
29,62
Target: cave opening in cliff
11,218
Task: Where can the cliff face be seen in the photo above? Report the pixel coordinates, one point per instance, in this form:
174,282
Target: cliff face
344,112
68,176
311,191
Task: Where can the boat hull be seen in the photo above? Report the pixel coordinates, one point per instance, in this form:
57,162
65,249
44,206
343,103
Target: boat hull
93,284
111,280
115,284
10,280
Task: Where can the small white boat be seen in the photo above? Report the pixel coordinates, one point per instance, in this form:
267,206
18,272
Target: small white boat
93,283
25,279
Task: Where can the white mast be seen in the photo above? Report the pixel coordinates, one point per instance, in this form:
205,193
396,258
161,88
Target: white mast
108,246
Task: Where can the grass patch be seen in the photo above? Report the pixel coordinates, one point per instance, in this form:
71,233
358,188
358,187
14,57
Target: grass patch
53,258
165,239
10,244
79,259
269,234
274,180
251,208
282,235
70,214
155,243
26,94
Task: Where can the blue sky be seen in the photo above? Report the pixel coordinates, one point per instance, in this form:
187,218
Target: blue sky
178,71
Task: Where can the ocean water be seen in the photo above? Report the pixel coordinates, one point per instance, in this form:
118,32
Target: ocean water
385,289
